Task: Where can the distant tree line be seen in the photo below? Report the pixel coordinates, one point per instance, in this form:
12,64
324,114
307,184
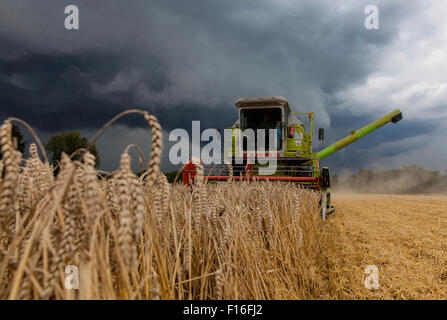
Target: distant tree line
406,180
171,176
67,142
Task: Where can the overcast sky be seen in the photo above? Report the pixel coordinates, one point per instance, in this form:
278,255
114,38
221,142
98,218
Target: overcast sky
192,59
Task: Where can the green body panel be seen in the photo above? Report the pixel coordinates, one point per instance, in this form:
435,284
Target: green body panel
300,147
303,146
354,136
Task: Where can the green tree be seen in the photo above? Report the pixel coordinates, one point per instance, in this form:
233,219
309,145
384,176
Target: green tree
69,142
17,137
171,176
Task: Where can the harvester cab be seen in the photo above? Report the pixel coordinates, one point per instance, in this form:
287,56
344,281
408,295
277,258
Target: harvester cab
293,130
267,130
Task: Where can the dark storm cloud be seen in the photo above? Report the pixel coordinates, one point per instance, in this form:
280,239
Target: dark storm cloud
204,46
188,60
53,92
347,121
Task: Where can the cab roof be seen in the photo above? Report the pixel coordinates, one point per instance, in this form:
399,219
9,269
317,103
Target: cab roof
263,102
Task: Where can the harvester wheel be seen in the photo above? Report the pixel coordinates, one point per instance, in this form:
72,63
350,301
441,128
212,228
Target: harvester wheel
323,204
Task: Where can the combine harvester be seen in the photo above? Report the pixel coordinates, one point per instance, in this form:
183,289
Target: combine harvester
295,161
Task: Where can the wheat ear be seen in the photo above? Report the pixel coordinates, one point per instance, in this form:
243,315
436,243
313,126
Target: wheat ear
12,168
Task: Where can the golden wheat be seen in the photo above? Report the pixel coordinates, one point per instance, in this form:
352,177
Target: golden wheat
142,238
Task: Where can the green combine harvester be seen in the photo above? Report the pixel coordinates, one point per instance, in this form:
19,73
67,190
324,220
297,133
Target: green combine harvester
293,156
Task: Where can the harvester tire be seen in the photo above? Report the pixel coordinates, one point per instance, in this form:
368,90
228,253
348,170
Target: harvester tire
323,205
330,208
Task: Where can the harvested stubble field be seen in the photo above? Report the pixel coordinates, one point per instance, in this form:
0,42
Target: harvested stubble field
405,236
142,238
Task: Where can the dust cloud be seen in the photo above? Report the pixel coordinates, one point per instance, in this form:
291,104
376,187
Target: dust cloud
407,180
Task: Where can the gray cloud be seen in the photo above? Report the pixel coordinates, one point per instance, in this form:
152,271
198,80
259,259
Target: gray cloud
190,60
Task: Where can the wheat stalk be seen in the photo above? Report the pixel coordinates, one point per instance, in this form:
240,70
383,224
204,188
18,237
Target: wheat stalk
210,240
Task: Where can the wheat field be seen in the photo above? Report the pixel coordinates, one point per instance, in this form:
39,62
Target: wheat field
139,237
